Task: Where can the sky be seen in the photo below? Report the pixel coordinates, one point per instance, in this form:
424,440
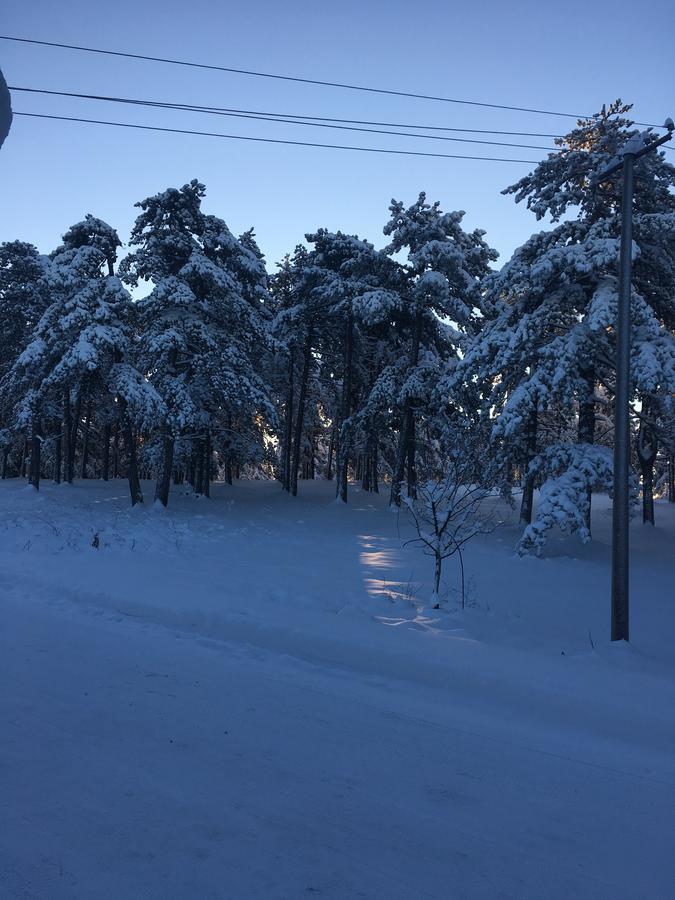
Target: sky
570,57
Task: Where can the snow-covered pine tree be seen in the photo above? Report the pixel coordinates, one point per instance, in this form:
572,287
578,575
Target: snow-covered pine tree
165,235
351,290
23,299
444,267
234,286
294,327
203,329
77,349
548,341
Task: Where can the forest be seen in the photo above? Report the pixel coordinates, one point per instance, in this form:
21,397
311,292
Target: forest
184,359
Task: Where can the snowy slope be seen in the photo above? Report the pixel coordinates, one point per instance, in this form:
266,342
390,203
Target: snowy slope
246,697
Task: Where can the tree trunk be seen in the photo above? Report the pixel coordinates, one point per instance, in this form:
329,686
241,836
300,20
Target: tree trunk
438,562
191,474
331,450
586,431
671,478
374,480
288,425
300,414
365,466
67,438
57,453
75,424
132,463
163,484
228,451
647,448
116,451
206,483
5,457
85,441
105,472
24,457
345,409
412,468
406,440
199,475
35,452
134,481
527,504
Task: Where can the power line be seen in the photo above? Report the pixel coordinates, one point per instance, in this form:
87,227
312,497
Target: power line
157,104
316,81
255,112
264,140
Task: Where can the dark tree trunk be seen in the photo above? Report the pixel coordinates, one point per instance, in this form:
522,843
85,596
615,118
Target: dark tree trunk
412,468
406,438
647,449
57,452
228,452
85,441
300,414
116,451
586,432
35,452
365,466
192,469
5,457
24,458
331,451
132,460
527,504
206,484
67,439
163,485
75,424
105,461
199,477
374,480
342,466
671,478
288,425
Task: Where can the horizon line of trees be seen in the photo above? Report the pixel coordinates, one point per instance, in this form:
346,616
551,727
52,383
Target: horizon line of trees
352,363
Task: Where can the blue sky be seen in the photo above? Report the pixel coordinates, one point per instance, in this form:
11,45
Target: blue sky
568,56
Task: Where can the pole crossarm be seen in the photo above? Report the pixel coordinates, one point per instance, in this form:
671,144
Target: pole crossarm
639,145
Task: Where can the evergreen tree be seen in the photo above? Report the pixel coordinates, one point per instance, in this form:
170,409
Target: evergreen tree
443,271
23,299
549,338
203,329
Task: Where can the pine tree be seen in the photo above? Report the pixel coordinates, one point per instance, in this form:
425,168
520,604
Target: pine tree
443,272
548,341
23,299
203,331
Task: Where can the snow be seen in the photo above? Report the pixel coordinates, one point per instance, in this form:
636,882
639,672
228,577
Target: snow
248,697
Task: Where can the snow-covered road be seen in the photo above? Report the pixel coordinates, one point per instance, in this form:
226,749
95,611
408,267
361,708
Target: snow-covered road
142,763
179,738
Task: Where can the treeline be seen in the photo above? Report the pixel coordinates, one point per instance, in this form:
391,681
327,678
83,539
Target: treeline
187,361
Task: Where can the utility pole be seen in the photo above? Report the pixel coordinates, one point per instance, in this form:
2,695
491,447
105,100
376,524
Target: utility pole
5,110
637,146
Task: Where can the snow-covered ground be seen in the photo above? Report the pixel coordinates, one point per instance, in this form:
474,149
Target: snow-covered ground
245,697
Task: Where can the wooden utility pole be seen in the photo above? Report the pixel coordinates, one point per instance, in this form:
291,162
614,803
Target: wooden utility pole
637,146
